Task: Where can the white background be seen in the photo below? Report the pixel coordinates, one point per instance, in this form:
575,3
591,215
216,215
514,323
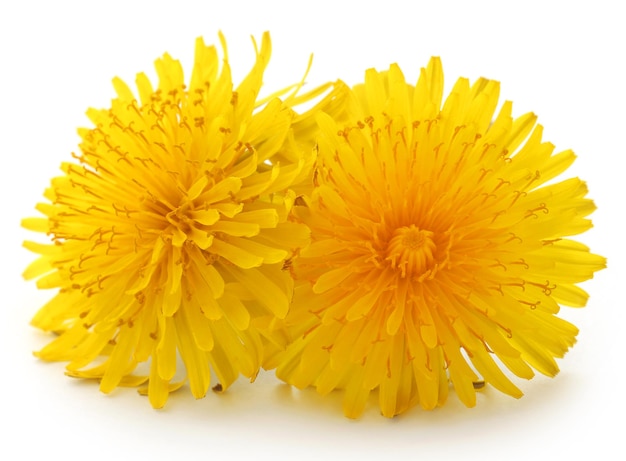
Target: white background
562,60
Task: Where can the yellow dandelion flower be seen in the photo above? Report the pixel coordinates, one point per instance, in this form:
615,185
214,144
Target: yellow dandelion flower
439,253
170,230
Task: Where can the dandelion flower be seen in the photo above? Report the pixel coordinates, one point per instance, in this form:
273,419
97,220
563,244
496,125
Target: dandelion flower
439,251
170,229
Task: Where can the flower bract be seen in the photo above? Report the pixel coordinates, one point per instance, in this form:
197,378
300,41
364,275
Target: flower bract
440,248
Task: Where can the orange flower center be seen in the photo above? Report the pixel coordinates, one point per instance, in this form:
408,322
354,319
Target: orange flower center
411,250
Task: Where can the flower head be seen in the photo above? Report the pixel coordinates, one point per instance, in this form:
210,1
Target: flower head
170,229
439,252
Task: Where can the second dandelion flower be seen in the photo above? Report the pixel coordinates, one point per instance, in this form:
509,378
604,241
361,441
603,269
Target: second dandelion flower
437,253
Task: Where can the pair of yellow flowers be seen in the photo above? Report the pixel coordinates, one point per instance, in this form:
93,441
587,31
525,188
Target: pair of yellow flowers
384,239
